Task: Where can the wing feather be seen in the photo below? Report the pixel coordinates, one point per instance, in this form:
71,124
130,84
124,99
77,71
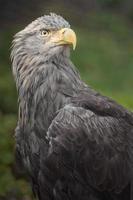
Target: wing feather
101,105
91,147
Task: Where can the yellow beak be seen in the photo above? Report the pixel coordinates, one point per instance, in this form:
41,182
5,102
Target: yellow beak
66,36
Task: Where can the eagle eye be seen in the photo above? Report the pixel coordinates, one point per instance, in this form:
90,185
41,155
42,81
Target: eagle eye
45,32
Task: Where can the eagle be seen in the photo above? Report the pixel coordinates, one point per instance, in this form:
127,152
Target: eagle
73,142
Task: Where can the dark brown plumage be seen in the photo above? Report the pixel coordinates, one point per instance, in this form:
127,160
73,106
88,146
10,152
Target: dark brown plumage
73,142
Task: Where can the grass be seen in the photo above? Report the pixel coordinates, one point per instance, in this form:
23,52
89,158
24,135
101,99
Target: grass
105,59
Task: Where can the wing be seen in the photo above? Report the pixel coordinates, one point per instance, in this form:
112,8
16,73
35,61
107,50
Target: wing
101,105
85,148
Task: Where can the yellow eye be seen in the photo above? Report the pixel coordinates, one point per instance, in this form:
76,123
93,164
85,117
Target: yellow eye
45,32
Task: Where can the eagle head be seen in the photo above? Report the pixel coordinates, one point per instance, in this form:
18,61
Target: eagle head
45,37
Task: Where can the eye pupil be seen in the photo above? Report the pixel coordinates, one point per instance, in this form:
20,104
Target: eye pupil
44,32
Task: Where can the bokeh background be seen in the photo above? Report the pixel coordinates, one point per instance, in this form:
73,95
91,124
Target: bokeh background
104,57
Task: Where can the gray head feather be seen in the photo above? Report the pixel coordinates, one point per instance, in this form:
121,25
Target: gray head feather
30,48
51,21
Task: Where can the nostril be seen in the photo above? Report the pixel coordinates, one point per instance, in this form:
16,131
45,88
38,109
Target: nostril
63,31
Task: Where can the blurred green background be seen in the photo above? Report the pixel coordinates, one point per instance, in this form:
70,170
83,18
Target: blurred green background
104,57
